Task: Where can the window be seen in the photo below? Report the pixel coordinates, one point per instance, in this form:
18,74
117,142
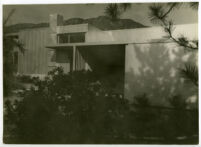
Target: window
71,38
78,37
63,38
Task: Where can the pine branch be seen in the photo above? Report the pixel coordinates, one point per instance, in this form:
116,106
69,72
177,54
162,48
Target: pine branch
182,41
190,73
159,16
8,17
194,5
125,6
173,5
112,10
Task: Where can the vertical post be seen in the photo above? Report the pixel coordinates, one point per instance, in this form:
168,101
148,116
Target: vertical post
68,38
58,41
74,60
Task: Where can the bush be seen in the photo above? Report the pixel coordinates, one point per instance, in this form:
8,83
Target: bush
68,108
25,79
79,108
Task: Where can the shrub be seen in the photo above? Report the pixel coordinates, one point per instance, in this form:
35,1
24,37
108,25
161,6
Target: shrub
68,108
25,79
79,108
182,121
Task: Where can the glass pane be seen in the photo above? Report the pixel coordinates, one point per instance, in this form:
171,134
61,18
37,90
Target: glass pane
77,37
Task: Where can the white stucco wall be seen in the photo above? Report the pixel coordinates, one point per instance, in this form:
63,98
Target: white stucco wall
72,28
153,69
141,35
152,61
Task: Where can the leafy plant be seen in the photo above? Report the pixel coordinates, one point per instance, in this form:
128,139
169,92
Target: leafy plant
114,10
190,73
9,43
78,108
159,14
69,108
177,102
142,100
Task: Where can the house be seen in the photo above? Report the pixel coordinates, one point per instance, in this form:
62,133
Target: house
139,60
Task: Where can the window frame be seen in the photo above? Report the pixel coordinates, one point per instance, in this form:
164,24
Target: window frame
67,37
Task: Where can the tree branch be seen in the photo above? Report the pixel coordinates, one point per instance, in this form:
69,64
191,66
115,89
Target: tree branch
169,10
158,14
8,17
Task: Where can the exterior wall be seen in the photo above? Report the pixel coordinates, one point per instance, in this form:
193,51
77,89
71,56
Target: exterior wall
151,66
152,69
72,28
35,58
141,35
152,62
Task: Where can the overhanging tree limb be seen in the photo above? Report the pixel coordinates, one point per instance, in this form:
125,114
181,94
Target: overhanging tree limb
158,15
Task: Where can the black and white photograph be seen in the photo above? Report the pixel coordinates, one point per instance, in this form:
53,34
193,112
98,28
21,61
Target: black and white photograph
100,73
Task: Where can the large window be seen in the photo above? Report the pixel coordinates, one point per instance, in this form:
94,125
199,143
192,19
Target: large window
71,38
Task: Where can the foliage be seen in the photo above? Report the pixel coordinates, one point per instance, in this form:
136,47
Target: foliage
194,5
159,14
178,128
114,10
142,100
9,43
177,102
190,73
8,66
25,79
78,108
72,108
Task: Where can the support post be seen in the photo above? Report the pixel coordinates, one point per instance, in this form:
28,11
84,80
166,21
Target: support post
74,64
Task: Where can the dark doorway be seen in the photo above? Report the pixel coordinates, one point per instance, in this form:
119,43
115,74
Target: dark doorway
108,63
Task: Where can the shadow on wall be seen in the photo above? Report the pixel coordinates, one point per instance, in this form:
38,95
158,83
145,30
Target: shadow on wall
153,69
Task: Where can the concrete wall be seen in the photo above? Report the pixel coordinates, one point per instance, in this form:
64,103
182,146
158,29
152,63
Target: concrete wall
153,69
141,35
72,28
152,61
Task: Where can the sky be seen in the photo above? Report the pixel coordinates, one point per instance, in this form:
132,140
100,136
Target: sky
138,12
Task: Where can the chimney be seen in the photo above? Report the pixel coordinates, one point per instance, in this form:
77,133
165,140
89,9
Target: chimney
55,20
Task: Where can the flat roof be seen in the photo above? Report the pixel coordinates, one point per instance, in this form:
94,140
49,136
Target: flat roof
84,44
55,46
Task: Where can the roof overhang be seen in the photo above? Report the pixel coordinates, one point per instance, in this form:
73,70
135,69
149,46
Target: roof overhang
69,45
